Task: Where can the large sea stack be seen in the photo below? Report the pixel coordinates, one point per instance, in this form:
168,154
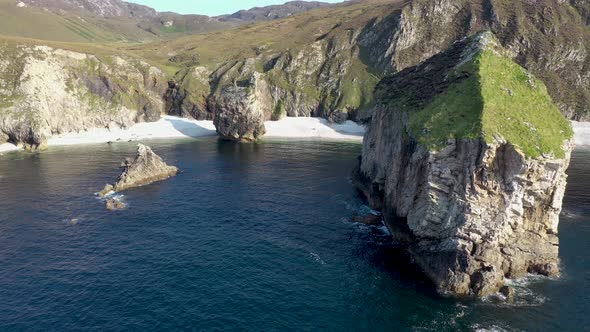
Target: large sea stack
241,109
466,156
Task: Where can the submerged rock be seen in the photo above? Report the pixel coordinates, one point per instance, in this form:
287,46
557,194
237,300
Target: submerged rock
469,178
509,293
108,188
114,204
369,219
240,111
146,168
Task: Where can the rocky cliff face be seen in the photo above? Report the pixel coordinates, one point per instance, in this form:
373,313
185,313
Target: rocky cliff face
240,111
46,91
467,198
323,63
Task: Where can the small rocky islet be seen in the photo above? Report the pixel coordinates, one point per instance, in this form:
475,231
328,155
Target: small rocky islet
467,141
146,168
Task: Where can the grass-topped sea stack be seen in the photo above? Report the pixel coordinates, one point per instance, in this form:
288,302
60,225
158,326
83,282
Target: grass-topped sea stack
466,157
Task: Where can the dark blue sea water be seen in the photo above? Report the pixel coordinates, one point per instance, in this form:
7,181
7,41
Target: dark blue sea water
247,237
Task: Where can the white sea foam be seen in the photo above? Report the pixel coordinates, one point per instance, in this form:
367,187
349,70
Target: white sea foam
524,295
7,147
317,258
492,328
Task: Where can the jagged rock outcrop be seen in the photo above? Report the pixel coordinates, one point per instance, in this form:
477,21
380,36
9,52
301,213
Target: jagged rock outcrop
241,110
189,98
322,63
466,156
146,168
46,91
115,204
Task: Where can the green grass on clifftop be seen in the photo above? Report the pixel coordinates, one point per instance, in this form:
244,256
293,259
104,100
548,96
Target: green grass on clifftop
518,107
487,96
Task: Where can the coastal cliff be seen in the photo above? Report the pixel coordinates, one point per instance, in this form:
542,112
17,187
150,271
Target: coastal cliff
46,91
466,156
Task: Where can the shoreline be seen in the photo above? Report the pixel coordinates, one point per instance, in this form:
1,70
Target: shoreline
175,127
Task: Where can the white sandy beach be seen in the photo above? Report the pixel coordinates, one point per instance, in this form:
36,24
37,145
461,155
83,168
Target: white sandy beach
175,127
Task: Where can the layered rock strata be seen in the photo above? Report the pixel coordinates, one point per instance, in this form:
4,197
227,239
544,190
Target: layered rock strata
469,178
240,111
46,91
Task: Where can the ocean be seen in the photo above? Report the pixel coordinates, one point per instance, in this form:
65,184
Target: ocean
247,237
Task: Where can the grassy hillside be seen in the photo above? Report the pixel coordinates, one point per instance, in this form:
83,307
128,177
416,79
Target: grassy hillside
292,33
33,22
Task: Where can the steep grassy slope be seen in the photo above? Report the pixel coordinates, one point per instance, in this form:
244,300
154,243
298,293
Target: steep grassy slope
477,93
116,20
466,158
312,61
326,62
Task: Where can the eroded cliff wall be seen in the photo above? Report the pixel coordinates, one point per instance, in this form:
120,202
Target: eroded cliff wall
46,91
472,202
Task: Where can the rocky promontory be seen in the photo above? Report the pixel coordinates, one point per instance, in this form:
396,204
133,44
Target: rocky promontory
466,156
146,168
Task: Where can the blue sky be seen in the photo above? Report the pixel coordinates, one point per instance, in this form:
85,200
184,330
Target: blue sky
209,7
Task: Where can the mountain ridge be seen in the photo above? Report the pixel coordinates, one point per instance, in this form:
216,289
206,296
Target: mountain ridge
168,23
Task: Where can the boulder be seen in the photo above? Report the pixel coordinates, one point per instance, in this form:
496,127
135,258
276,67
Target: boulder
368,219
146,168
509,293
108,188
